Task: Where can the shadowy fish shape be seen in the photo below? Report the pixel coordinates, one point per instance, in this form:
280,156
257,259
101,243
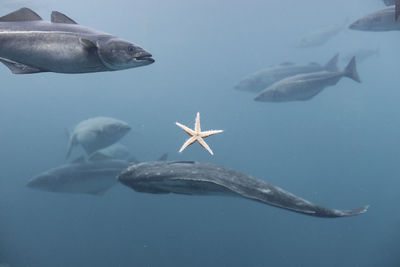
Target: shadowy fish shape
97,133
194,178
386,19
31,45
303,87
361,55
261,79
320,37
93,176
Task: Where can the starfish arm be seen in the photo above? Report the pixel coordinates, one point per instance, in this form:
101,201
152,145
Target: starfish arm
188,142
186,129
204,144
209,133
197,127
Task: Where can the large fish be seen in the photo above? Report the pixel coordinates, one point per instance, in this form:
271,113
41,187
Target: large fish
261,79
194,178
97,133
303,87
93,176
386,19
31,45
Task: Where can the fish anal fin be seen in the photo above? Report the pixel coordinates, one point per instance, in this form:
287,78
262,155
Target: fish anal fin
57,17
19,68
22,14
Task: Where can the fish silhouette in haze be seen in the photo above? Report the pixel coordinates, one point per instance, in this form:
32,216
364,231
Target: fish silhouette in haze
261,79
303,87
386,19
31,45
93,176
194,178
97,133
320,37
361,55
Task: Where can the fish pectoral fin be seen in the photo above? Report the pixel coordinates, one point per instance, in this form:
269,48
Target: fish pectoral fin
19,68
87,43
22,14
57,17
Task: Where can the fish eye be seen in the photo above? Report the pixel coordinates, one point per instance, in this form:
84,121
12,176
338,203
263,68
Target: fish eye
131,48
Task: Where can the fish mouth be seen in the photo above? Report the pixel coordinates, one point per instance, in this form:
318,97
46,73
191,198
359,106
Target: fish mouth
145,57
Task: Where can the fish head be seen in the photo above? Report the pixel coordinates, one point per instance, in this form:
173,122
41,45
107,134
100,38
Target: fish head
148,177
118,54
115,130
378,21
44,182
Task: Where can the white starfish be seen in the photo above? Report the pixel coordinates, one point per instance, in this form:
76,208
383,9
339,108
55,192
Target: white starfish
197,135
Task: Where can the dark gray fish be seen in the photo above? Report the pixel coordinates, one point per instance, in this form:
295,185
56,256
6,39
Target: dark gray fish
93,176
31,45
194,178
303,87
385,19
261,79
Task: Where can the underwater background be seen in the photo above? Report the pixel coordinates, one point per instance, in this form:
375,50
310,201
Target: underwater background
339,150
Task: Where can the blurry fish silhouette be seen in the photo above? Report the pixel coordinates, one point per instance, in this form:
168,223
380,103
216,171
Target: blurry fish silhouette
97,133
261,79
303,87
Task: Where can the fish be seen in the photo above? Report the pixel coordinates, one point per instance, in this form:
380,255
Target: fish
385,19
320,37
195,178
303,87
97,133
261,79
361,55
116,150
93,176
31,45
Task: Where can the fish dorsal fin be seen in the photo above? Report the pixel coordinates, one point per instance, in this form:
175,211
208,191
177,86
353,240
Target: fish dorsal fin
164,157
57,17
22,14
81,159
98,156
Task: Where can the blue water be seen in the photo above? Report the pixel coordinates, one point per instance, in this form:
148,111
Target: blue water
340,149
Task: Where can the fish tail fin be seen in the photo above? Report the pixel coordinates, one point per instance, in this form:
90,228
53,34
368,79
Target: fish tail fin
354,212
351,71
331,65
